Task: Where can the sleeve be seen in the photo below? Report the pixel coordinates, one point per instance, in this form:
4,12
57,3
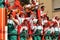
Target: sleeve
31,23
35,29
52,30
17,21
42,30
21,29
18,17
45,30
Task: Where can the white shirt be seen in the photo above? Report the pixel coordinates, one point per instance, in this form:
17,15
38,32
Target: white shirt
52,29
59,29
10,21
56,29
44,21
42,13
39,28
24,27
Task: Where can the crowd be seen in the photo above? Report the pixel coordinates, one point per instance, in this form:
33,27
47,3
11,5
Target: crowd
25,22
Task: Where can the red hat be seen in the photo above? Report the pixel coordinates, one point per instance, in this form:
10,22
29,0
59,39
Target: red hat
49,23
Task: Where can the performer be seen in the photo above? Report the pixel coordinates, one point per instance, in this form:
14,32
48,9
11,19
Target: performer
56,31
59,31
38,31
48,31
12,23
24,31
20,17
28,10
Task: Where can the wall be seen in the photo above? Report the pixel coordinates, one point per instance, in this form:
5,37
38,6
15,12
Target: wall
49,8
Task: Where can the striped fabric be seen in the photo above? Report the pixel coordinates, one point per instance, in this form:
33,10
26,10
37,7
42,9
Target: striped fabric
2,19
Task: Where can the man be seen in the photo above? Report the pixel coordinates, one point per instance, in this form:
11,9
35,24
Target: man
38,31
12,24
28,10
49,30
56,31
20,17
24,31
56,19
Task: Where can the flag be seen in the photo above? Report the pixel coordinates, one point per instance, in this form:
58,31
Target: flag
19,27
39,14
17,4
2,20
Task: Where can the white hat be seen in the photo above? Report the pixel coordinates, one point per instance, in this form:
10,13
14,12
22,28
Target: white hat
28,5
37,3
35,20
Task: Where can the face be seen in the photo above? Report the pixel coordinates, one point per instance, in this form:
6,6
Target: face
42,9
27,10
25,22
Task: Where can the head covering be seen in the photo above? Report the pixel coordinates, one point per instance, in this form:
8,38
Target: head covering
17,4
35,20
37,3
28,6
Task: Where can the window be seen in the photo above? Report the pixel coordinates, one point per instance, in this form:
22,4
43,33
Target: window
56,4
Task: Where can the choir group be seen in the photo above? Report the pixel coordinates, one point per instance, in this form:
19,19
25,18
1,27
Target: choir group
31,23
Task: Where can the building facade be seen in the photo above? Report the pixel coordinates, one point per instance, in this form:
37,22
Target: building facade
52,7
